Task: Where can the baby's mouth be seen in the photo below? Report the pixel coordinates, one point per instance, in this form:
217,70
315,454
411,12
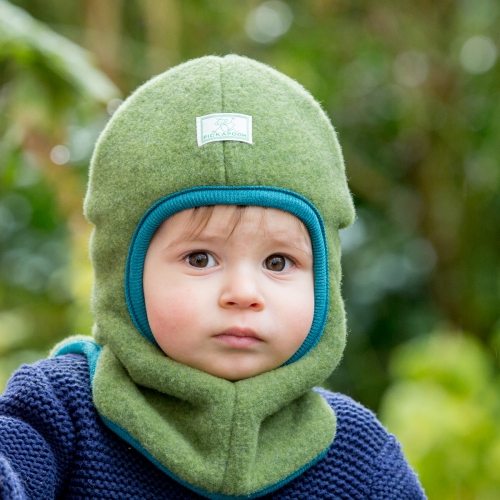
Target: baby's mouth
239,337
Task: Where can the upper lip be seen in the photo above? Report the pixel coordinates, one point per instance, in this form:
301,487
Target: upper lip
238,331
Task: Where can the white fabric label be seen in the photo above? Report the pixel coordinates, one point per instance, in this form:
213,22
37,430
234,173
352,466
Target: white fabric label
224,127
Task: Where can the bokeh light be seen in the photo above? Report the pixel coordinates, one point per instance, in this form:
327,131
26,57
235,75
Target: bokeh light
60,154
478,55
269,21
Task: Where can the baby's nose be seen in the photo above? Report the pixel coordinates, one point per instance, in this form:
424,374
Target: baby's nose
242,292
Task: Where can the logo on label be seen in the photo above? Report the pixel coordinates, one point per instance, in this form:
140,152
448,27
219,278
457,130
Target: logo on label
224,127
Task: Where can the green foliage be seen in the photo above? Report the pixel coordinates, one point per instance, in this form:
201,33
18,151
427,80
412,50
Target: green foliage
49,91
40,50
444,406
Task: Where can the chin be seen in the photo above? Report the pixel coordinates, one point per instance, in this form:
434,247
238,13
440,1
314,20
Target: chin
232,376
237,374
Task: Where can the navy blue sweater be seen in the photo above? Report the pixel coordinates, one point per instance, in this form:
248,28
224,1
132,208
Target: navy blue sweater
54,445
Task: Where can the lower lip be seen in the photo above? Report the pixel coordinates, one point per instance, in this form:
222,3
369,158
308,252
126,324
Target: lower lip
238,342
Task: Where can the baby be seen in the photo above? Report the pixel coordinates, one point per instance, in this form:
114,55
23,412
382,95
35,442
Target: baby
216,191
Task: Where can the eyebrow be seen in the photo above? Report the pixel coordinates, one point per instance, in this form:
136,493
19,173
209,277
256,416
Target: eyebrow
199,237
284,239
280,240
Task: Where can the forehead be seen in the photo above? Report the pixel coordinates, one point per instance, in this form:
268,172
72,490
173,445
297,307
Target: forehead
230,221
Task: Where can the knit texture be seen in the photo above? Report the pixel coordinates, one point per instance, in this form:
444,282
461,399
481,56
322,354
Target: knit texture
271,426
53,445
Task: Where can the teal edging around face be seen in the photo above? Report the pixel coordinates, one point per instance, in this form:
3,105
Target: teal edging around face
261,196
212,496
90,349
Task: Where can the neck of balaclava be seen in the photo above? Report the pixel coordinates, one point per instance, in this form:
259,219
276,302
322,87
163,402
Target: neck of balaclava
222,439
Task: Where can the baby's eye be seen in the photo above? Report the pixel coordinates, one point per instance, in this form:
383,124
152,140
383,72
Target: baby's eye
200,260
277,263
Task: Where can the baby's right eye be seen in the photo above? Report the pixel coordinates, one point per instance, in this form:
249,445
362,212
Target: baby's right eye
200,260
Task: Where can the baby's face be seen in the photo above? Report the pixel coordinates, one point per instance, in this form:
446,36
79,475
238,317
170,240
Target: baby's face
230,299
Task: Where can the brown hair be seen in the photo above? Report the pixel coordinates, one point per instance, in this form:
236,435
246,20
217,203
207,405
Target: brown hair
200,217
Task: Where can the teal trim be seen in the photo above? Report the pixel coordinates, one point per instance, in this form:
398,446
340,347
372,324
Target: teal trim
90,349
261,196
120,431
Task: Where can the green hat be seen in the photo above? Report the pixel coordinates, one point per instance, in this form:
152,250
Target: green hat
214,130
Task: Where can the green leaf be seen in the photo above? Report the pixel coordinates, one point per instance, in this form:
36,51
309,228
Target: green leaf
22,37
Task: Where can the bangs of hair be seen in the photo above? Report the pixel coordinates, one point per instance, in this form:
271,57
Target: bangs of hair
200,217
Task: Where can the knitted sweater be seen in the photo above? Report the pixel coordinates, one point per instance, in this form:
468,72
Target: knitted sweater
54,445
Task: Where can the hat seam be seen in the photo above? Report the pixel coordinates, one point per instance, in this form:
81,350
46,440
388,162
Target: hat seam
223,110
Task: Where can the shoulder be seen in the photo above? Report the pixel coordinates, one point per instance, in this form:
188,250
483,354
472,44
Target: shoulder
356,424
43,411
364,461
48,390
50,376
371,455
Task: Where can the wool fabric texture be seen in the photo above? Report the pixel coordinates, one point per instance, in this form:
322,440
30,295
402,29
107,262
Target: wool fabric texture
53,444
225,439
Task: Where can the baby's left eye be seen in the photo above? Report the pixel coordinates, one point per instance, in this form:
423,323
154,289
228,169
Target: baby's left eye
277,262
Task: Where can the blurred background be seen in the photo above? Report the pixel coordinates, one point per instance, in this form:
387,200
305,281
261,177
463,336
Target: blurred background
413,89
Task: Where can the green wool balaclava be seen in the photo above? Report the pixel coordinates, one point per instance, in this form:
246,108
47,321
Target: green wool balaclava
215,130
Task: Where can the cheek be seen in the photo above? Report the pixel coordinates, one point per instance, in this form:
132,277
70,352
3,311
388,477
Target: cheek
302,320
298,311
169,309
166,316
